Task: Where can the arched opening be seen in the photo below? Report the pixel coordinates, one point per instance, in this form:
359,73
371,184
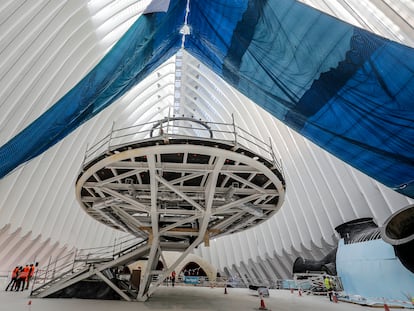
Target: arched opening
160,266
193,268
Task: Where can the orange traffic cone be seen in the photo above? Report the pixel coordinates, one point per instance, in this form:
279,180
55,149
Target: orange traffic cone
262,304
386,308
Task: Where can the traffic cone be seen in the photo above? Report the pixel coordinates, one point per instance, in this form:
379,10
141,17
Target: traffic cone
386,308
291,290
334,297
300,292
262,304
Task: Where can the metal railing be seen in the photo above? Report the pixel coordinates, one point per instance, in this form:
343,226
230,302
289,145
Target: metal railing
182,128
314,282
81,259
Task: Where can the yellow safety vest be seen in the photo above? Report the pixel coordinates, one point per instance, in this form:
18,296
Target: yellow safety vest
327,284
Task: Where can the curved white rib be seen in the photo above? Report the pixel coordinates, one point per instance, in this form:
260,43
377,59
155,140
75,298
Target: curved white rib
46,47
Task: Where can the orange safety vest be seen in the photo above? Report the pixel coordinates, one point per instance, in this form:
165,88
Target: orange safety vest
32,271
14,272
23,275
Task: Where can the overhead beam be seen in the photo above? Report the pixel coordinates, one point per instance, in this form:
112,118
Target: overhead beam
183,167
127,217
179,223
245,182
118,177
234,203
219,190
181,194
127,199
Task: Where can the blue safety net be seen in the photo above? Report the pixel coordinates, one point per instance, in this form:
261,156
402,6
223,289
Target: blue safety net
346,89
151,41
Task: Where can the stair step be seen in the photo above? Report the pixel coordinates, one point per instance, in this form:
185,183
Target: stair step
65,277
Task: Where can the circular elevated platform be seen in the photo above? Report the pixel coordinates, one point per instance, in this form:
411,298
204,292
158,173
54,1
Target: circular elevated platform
180,187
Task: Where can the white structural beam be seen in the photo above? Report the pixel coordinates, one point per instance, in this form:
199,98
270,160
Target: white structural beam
68,38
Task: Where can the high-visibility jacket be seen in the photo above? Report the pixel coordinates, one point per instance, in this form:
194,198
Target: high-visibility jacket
32,271
327,283
14,272
23,275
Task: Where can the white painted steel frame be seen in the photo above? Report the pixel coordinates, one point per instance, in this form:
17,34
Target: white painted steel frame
46,47
207,199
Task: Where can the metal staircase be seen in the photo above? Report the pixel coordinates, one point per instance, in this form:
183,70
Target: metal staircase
83,264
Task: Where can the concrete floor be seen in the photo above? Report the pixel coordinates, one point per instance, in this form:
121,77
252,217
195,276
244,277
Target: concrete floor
181,298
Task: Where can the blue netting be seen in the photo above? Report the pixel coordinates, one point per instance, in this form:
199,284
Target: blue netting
151,40
346,89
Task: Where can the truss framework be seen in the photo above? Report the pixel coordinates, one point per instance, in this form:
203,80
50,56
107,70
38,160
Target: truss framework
179,191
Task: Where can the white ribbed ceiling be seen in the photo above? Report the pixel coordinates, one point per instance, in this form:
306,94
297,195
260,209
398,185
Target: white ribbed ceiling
46,47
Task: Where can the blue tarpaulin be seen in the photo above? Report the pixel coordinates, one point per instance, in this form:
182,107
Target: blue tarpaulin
344,88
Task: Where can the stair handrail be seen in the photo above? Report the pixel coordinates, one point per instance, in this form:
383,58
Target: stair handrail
55,269
130,248
80,259
108,251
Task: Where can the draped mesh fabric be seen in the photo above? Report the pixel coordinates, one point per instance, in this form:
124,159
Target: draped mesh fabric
346,89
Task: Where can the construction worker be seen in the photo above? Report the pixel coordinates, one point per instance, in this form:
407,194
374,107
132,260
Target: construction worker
23,277
32,270
173,274
13,280
17,283
328,286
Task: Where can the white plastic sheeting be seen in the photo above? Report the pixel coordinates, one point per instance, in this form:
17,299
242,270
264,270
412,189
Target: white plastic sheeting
371,269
